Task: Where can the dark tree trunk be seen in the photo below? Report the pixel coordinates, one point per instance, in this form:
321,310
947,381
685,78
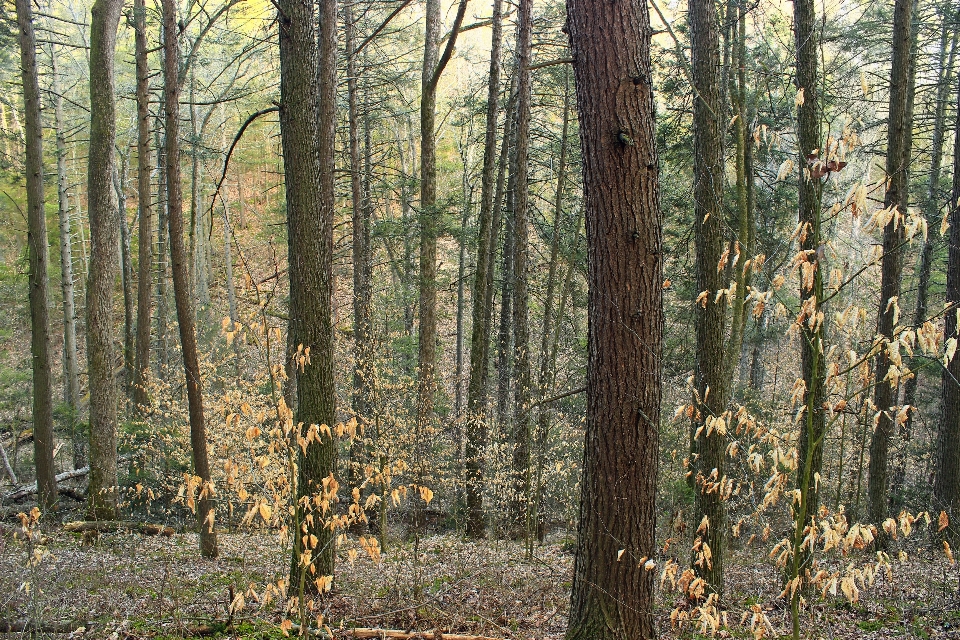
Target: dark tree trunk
37,244
163,312
307,128
145,239
946,487
206,509
521,322
126,274
708,441
897,195
104,262
610,44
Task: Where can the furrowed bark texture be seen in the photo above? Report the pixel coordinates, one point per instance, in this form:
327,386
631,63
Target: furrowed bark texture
37,244
898,159
104,262
179,257
610,43
708,441
946,488
307,129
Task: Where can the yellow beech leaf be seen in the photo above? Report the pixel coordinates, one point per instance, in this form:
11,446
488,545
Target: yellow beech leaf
943,521
265,511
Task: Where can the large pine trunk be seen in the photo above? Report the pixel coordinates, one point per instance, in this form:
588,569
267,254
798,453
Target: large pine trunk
898,158
307,129
613,596
104,262
206,509
37,241
708,437
946,488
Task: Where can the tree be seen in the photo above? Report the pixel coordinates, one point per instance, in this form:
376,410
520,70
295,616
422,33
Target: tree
206,510
37,241
145,239
946,487
104,261
899,126
711,382
307,130
613,594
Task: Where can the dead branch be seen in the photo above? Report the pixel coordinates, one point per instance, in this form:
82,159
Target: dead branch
110,526
411,635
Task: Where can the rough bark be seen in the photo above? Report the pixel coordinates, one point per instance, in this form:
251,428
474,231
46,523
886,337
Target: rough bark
307,129
37,245
145,239
610,44
521,322
104,262
898,159
711,384
163,311
946,486
206,509
126,274
476,429
810,446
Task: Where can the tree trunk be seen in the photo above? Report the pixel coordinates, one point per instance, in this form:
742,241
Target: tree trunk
71,368
946,487
504,363
711,384
610,44
476,440
363,351
104,262
547,363
126,273
931,210
37,243
897,195
521,321
206,509
810,447
145,239
163,312
307,130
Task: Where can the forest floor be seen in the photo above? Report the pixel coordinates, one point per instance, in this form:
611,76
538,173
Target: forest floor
128,586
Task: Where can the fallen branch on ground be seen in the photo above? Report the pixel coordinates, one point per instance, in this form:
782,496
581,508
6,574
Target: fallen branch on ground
411,635
23,492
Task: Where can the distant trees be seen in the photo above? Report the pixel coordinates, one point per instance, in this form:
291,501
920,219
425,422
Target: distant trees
610,44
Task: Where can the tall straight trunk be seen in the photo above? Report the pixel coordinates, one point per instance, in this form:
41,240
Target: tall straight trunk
163,311
931,210
363,351
126,273
521,321
104,262
744,247
231,287
145,238
37,244
504,362
810,447
206,509
946,487
899,126
610,46
708,437
476,440
307,128
547,363
466,157
71,368
433,65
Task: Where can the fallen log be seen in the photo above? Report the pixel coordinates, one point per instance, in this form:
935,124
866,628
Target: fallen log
110,526
23,492
29,626
395,634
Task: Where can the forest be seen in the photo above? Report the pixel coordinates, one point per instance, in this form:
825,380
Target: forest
479,319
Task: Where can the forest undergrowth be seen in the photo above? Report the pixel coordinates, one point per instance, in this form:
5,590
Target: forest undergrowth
129,586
